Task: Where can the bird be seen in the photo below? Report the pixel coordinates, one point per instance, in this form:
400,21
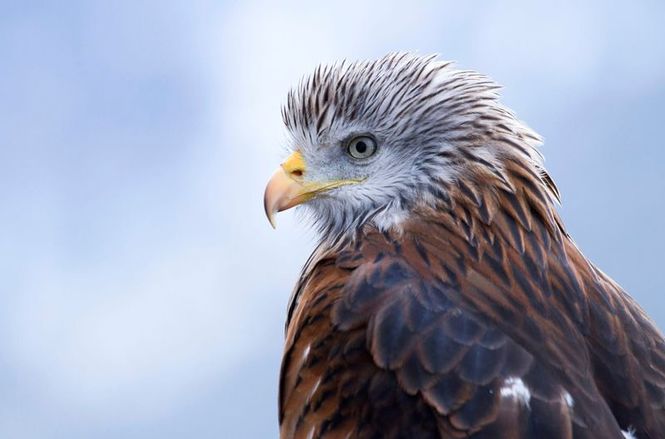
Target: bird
445,297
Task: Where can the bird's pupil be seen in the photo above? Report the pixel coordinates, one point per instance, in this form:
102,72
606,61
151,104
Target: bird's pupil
361,147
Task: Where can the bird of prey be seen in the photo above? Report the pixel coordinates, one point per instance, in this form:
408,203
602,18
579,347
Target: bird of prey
445,298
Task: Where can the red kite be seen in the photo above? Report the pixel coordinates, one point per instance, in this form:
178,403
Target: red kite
446,299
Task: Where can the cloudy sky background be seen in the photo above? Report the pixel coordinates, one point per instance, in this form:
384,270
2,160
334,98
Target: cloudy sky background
142,292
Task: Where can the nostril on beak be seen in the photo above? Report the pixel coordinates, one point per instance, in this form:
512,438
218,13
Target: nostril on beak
294,166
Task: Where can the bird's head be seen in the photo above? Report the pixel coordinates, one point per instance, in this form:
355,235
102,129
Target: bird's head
372,140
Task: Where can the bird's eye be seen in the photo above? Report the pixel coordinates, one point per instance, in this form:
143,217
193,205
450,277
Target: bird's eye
361,147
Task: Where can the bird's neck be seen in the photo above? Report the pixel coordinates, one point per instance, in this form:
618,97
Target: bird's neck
515,200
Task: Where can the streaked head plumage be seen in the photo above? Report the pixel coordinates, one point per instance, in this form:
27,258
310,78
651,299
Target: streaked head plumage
428,124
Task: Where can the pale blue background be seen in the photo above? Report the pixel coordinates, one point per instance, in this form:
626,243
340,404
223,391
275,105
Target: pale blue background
142,292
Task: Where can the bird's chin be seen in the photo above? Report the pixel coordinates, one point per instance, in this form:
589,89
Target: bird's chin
326,214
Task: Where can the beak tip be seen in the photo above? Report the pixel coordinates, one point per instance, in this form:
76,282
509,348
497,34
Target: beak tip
270,210
271,219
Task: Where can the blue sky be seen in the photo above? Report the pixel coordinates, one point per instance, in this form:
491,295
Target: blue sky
143,292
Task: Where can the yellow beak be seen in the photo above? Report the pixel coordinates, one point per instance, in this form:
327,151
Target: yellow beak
287,187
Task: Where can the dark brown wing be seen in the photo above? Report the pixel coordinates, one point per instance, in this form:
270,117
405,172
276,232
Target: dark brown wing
457,327
383,349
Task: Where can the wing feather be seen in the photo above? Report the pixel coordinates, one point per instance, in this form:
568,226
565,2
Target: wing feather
413,335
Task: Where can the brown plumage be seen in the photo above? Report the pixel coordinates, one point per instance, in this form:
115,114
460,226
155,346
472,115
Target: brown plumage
473,315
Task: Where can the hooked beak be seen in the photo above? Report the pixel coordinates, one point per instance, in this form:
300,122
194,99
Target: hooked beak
287,187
